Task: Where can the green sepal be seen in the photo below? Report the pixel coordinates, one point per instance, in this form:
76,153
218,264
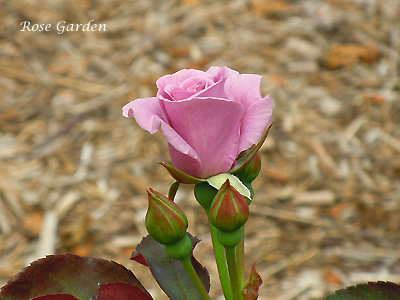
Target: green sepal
250,187
243,161
173,189
251,171
180,176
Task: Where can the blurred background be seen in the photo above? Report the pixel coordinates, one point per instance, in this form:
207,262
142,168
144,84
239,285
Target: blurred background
73,171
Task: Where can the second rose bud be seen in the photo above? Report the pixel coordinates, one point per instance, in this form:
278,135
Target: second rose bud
229,210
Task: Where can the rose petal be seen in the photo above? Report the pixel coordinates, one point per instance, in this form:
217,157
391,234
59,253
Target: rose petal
211,127
146,111
196,84
254,122
214,91
148,115
178,143
244,88
221,72
184,162
177,93
207,86
177,78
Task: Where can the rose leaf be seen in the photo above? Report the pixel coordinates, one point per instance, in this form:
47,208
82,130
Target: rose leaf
66,274
368,291
120,291
250,290
168,272
56,297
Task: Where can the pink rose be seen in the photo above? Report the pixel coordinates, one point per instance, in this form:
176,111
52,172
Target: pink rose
208,118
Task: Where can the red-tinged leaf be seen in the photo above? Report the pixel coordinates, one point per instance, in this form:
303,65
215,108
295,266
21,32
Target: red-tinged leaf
243,161
120,291
169,273
56,297
180,176
139,258
66,274
368,291
250,290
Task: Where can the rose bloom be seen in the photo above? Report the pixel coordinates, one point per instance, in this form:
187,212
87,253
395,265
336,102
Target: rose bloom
207,118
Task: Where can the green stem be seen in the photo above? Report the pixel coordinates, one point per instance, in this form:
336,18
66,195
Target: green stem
230,258
220,260
187,264
240,261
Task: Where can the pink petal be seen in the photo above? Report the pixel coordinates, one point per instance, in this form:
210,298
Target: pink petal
148,115
221,72
185,162
211,127
178,143
215,91
177,78
177,93
182,92
254,122
196,84
146,111
244,88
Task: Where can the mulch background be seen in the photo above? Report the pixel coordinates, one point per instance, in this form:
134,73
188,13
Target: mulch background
74,171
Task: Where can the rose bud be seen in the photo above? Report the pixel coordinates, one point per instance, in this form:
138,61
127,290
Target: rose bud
229,210
251,171
165,220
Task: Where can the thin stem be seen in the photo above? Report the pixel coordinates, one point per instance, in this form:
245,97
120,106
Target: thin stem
233,275
240,261
187,264
220,260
